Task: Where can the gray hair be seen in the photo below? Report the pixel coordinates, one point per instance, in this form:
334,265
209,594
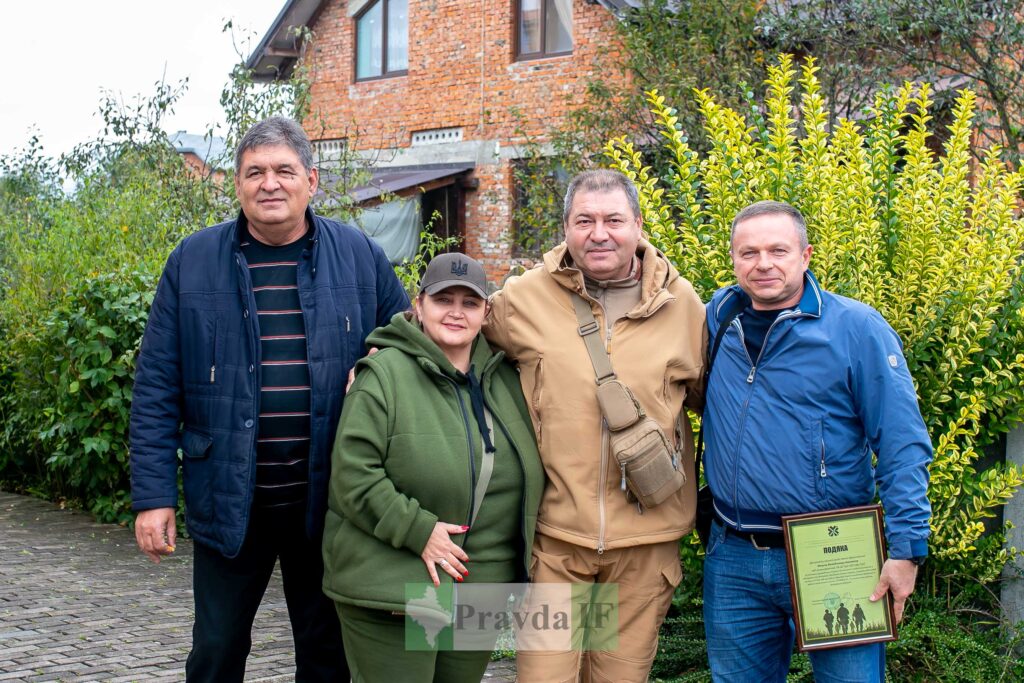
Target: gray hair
277,130
768,207
601,180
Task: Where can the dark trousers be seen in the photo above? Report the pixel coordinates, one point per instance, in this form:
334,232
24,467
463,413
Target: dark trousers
229,591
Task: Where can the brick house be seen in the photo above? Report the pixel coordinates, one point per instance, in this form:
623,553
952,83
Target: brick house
441,94
204,156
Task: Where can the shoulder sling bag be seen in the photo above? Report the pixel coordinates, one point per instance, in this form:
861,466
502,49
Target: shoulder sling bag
649,465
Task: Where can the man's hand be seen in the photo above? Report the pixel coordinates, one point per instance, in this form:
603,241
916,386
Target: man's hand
898,577
156,532
352,371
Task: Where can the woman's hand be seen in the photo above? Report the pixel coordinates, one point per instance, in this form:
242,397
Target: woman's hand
441,552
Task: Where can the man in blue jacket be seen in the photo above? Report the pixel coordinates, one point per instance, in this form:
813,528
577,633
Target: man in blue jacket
255,325
806,385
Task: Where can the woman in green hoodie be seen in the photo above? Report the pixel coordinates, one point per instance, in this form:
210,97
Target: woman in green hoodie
435,480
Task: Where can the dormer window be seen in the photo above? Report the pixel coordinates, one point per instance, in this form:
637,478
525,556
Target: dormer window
544,28
382,40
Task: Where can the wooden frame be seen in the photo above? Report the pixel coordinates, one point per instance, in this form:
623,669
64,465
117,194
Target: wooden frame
517,32
834,558
385,6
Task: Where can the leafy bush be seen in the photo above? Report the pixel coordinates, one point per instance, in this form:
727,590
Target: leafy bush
954,642
930,241
78,273
93,338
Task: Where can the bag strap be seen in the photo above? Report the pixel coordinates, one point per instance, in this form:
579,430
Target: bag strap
486,469
588,329
707,378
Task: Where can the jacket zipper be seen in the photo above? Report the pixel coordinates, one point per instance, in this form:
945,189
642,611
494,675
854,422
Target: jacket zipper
746,404
472,454
213,366
823,472
602,480
249,302
522,468
307,255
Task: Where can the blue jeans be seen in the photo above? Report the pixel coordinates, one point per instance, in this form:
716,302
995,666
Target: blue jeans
748,620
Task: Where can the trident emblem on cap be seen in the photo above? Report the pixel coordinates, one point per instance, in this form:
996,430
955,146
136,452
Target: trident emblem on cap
460,268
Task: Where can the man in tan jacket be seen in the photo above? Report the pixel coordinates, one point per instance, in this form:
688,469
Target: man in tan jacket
654,332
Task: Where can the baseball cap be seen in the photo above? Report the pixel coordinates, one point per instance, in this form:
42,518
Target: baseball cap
454,270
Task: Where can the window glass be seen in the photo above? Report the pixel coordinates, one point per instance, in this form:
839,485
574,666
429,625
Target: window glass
558,20
530,26
398,35
370,42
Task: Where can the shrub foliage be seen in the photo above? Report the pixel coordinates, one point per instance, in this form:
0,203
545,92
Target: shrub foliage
930,237
77,277
932,240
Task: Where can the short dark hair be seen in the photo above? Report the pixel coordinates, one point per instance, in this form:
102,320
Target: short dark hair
769,207
601,180
277,130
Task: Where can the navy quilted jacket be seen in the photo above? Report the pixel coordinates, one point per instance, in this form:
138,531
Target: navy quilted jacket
197,381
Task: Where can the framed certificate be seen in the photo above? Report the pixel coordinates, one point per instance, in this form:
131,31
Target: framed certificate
835,559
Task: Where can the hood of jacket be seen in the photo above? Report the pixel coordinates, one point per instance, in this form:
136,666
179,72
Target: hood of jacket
407,336
656,276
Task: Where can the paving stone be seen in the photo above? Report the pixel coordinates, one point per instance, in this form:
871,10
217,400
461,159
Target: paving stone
79,602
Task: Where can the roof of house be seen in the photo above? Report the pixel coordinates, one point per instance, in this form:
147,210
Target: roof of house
210,149
279,51
402,180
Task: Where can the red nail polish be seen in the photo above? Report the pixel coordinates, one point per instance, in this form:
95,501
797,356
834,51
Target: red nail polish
465,528
459,579
465,573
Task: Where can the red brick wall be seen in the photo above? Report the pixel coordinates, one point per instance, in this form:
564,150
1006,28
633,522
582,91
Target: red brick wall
462,73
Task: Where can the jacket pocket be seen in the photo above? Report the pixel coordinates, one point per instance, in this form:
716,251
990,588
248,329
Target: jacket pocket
203,334
195,445
346,338
537,396
197,476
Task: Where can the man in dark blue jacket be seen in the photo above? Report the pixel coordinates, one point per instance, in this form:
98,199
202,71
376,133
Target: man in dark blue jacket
255,325
805,387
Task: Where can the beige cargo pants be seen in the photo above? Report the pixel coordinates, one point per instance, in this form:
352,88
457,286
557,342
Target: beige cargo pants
646,577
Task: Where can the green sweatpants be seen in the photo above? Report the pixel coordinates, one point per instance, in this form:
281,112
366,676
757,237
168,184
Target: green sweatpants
375,649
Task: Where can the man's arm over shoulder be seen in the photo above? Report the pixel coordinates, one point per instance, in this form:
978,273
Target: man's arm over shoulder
498,324
156,399
887,404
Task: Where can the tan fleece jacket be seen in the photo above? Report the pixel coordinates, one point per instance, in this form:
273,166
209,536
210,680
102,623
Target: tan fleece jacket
657,349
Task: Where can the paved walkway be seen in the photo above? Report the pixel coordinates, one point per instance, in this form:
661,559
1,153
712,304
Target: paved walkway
79,602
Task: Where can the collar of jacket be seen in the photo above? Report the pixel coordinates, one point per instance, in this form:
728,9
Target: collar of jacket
735,299
242,226
657,275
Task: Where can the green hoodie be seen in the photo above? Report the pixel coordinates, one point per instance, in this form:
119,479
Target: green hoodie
402,462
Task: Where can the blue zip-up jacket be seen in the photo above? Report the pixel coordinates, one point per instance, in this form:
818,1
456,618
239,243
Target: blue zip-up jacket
197,380
793,430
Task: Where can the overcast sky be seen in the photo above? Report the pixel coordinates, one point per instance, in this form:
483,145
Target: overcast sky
62,54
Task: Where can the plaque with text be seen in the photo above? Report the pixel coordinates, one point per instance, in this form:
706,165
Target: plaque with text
835,559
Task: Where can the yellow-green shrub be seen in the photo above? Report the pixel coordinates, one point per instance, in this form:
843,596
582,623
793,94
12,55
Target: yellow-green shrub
932,240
